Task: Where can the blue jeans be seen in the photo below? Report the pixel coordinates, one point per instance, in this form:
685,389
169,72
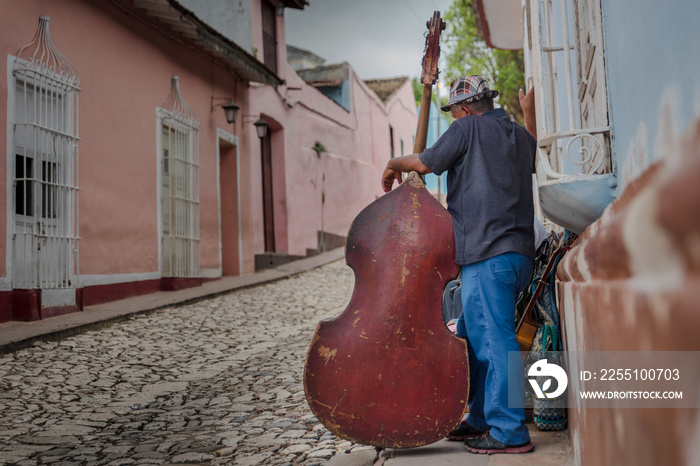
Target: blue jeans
490,289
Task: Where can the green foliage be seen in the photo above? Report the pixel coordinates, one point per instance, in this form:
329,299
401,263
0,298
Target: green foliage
418,94
467,53
417,90
443,101
318,148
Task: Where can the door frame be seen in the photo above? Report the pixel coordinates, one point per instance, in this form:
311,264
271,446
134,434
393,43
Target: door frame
233,140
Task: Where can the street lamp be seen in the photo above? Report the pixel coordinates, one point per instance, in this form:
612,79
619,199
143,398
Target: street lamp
261,127
230,110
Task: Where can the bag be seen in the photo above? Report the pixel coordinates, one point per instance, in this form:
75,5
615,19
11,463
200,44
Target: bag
549,414
452,300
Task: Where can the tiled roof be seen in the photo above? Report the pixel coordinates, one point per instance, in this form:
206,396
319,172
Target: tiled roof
182,25
384,88
330,75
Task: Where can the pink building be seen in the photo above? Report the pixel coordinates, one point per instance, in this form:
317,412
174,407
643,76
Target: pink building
124,177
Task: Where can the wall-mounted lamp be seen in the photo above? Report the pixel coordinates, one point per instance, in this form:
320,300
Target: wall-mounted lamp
230,108
261,127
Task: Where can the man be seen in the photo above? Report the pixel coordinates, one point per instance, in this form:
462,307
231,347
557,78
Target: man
489,162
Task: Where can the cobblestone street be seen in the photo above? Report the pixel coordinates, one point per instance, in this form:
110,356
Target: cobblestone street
215,382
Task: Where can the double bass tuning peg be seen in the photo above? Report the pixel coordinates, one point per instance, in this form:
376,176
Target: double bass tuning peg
437,21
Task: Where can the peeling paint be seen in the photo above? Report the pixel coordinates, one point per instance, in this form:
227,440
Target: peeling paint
582,265
619,427
316,337
326,353
667,138
661,308
575,303
654,263
404,270
415,203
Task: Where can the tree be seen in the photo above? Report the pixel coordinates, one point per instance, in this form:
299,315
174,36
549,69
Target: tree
467,53
417,90
418,94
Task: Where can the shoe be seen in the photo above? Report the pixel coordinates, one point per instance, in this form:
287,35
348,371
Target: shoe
464,431
488,445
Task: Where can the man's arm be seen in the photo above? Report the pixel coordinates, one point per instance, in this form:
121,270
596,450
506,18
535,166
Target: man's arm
527,103
398,165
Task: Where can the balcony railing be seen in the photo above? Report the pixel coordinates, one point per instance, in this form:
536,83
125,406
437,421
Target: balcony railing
575,167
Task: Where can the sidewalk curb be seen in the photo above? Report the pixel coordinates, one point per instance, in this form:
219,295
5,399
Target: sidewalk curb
16,335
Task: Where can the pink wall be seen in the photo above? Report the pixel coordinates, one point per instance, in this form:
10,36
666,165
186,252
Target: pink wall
347,175
125,69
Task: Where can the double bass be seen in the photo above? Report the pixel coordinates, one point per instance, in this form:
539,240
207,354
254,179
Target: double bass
387,372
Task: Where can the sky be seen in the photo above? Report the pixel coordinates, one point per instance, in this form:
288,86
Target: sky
379,38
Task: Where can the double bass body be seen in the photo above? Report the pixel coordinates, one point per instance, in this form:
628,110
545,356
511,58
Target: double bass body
386,371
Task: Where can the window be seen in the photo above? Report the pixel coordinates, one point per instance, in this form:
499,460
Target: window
179,187
34,138
269,23
566,38
24,186
391,141
45,166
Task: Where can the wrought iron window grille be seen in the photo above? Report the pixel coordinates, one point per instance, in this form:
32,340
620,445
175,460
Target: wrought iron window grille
45,166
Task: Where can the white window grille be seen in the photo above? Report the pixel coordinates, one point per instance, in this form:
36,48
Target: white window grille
566,37
179,165
44,167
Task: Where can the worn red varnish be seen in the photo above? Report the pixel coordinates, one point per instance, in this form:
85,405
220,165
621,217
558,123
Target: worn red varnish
386,371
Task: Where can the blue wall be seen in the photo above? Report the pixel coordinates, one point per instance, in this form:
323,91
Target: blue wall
341,94
437,119
653,70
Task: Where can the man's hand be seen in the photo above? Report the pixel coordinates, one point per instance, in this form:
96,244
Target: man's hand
388,178
398,165
527,103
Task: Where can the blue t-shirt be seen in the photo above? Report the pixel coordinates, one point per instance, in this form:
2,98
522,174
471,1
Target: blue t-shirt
489,162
